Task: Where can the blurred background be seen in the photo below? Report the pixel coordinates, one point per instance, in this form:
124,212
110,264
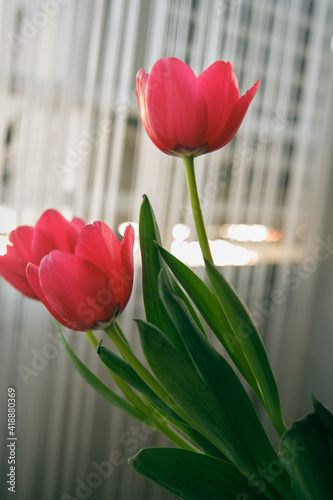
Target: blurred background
71,139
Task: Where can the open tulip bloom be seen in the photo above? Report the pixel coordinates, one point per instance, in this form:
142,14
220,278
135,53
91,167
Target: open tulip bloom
188,116
191,394
81,273
90,287
185,115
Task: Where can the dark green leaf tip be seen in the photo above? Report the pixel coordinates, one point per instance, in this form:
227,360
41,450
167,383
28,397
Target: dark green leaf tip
98,348
313,399
138,321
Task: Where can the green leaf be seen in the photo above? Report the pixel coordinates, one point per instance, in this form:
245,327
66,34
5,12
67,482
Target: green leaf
204,412
193,476
96,383
234,313
307,452
151,266
244,435
206,303
324,415
124,370
296,492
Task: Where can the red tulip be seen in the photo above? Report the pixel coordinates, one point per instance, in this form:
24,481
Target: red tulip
185,115
31,244
88,288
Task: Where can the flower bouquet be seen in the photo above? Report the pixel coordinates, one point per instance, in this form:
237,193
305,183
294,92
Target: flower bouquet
190,393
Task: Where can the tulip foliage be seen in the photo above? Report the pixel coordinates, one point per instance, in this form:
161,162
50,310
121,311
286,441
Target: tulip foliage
206,388
190,393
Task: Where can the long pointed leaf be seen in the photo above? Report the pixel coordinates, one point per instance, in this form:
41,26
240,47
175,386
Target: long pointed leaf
192,476
307,451
324,415
234,312
151,265
126,372
97,384
197,400
206,303
242,425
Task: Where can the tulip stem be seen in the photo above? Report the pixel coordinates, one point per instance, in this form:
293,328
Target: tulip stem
196,208
117,339
159,422
114,335
123,386
147,415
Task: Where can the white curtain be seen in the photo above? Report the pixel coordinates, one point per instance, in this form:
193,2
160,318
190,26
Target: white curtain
71,139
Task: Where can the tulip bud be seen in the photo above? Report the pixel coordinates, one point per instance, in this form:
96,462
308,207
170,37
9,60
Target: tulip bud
185,115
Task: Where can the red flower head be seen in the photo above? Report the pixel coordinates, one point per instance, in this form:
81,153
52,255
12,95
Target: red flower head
81,273
30,244
185,115
87,289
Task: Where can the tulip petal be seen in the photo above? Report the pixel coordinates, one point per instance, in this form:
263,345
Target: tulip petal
98,244
20,239
220,88
53,231
127,262
176,107
14,262
141,87
12,268
77,223
33,278
234,120
77,291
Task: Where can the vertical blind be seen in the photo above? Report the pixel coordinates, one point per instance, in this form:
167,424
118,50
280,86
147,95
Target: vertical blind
71,139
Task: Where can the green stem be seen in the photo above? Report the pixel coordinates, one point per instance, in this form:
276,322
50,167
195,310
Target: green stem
92,339
128,355
196,209
126,352
162,426
121,333
123,386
